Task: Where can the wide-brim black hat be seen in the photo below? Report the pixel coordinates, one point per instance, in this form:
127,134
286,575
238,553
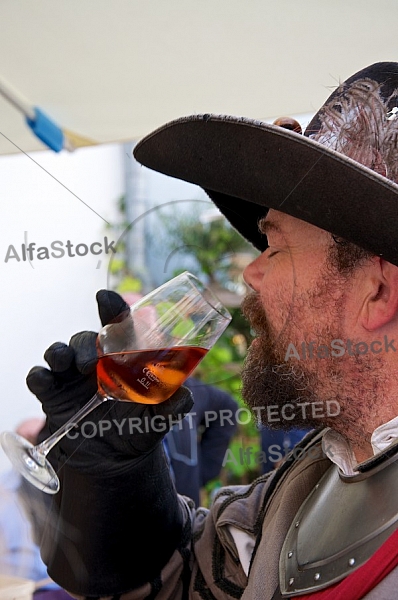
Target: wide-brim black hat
341,175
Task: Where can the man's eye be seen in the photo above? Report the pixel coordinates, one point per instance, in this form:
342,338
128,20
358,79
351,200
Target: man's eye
273,253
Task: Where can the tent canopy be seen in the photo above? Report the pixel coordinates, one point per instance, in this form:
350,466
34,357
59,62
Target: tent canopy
113,71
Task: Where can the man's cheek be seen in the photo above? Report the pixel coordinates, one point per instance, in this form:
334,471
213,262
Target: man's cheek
279,312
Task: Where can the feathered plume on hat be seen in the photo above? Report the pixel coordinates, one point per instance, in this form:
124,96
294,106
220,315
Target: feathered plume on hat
360,120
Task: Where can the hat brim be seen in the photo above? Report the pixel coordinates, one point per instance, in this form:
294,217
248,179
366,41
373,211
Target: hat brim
248,166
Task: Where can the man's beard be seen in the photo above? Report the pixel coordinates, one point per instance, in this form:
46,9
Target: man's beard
267,379
337,387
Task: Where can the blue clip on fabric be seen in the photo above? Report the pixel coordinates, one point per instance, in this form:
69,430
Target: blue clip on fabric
46,130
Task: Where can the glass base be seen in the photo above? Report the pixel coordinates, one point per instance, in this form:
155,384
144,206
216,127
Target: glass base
21,453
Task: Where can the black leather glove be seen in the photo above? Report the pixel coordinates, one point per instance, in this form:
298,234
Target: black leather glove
114,432
116,520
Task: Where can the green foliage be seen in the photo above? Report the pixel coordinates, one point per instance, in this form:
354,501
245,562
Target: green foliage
129,284
211,244
166,315
125,281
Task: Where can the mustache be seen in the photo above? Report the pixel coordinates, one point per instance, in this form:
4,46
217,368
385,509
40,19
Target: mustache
253,311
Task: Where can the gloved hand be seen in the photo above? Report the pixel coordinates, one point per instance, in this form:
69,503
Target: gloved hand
116,489
113,433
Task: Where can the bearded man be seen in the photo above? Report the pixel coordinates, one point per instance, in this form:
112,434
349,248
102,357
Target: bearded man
322,210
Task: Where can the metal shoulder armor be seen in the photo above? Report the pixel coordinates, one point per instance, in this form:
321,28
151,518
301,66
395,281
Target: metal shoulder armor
340,525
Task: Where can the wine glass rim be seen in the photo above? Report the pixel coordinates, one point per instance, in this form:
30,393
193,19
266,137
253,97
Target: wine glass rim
207,294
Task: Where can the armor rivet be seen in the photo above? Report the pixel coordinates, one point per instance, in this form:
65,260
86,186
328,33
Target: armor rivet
290,554
317,576
291,581
351,562
317,486
297,523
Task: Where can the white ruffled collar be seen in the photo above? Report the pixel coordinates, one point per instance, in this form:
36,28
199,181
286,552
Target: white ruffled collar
338,449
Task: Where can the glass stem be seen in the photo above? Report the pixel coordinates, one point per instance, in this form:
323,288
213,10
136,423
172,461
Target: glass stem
40,451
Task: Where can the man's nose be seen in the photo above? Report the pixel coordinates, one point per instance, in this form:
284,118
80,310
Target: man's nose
252,274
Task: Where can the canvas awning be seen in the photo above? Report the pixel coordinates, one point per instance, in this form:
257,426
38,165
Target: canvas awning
113,71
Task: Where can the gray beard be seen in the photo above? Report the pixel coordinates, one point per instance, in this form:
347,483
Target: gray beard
333,394
269,381
269,387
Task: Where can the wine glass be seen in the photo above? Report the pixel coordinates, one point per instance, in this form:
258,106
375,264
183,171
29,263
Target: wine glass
143,358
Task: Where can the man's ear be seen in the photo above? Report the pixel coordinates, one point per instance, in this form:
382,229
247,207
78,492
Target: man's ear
381,304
